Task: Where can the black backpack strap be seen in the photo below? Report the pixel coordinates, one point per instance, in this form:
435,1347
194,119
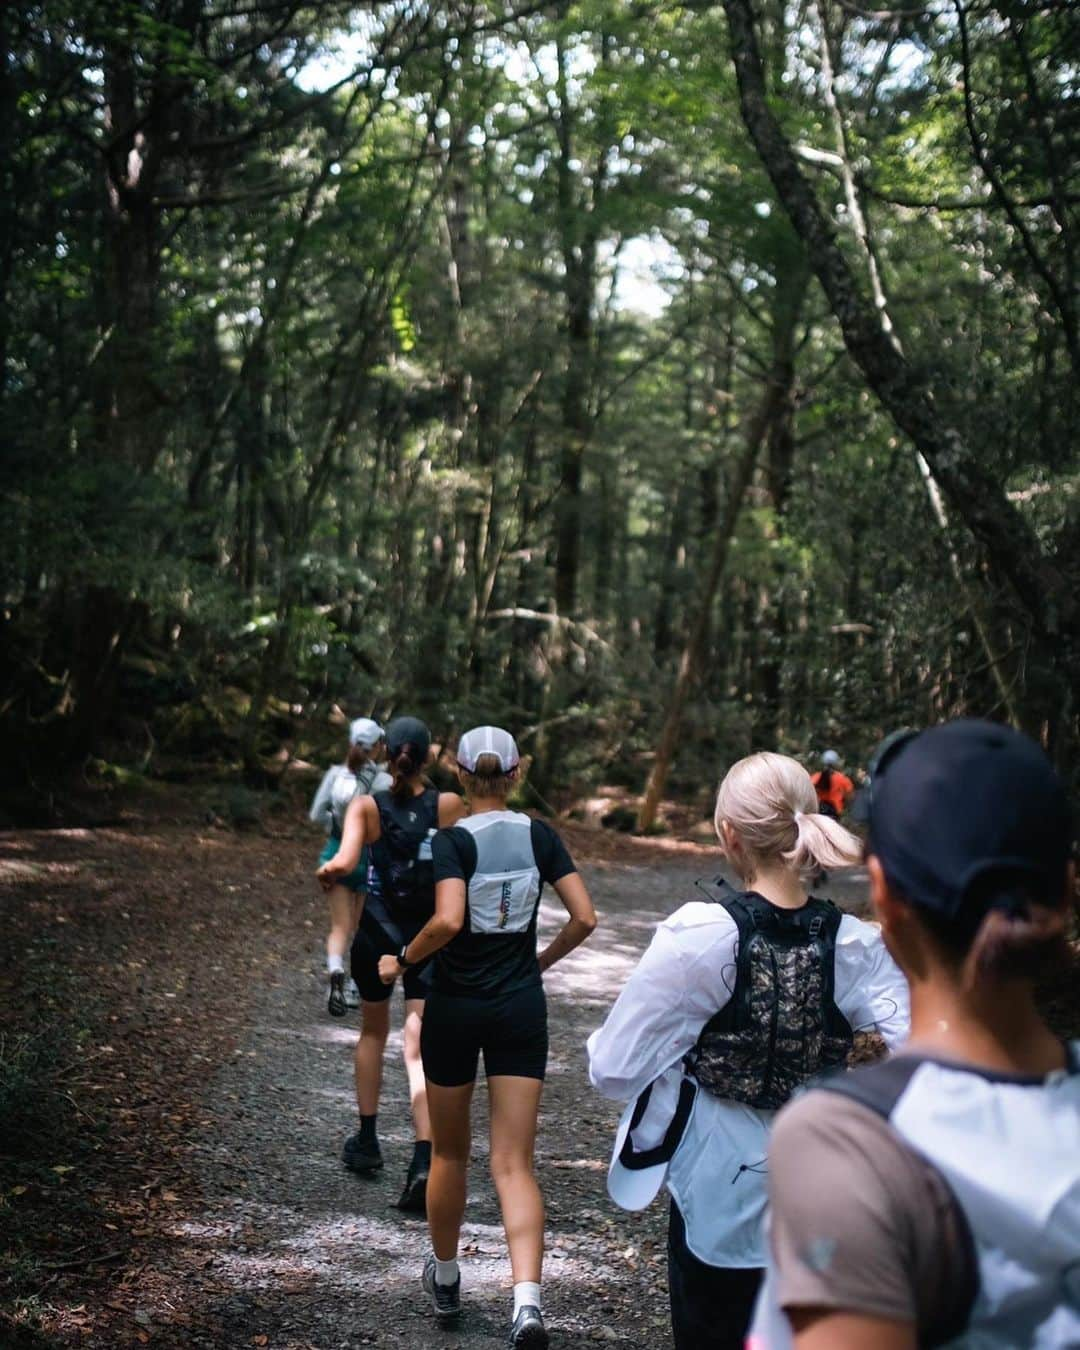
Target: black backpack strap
878,1087
636,1161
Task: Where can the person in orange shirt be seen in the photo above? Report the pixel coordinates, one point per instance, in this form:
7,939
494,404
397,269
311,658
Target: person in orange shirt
833,788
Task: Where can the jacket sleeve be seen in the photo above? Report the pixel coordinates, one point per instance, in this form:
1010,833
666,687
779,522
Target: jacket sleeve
871,992
676,987
321,813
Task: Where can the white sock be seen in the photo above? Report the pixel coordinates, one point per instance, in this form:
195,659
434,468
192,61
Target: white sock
446,1272
526,1294
335,965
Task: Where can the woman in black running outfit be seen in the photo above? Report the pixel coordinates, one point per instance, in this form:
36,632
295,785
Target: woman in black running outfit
487,997
397,826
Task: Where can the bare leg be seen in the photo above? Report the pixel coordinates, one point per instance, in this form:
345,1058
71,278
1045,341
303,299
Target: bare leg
345,909
374,1028
414,1012
451,1137
515,1103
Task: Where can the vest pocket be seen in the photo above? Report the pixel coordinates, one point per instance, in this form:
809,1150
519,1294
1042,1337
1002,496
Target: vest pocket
503,902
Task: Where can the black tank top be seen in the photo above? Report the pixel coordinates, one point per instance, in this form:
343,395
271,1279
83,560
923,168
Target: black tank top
401,856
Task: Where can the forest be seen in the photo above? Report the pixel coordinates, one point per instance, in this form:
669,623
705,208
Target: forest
663,381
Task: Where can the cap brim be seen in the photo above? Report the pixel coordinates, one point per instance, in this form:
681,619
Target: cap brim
631,1185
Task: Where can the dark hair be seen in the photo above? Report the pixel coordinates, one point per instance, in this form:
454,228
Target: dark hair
825,778
357,757
404,765
1006,929
487,778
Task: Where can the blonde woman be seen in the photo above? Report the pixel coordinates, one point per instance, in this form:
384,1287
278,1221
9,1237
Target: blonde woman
487,999
738,1000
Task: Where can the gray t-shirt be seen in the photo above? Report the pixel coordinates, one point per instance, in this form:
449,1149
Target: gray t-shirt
862,1223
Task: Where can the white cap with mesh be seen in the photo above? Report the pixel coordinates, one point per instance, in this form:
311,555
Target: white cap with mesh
365,732
487,741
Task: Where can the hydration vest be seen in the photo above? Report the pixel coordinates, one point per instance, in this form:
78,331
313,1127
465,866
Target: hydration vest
1009,1149
781,1025
504,889
401,856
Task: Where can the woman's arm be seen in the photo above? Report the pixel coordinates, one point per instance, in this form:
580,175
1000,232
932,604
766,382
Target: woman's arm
444,924
870,989
361,827
582,921
451,809
320,813
826,1329
684,977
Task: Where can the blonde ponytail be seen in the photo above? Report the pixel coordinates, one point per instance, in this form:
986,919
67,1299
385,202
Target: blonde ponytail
770,803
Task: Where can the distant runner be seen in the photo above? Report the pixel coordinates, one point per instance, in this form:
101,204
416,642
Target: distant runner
359,774
833,787
396,826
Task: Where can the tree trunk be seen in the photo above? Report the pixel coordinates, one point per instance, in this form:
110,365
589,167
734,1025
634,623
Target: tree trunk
903,389
742,473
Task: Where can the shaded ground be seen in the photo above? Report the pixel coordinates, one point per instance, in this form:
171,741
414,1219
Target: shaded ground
175,1098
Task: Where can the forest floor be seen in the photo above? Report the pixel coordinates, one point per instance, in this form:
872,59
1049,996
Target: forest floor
174,1100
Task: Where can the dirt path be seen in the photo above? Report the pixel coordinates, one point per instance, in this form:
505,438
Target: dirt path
249,1231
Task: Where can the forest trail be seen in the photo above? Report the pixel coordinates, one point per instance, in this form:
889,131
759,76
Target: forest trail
265,1239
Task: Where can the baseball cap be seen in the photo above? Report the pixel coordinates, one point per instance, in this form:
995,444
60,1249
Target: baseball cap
965,803
649,1132
365,732
408,731
830,759
488,741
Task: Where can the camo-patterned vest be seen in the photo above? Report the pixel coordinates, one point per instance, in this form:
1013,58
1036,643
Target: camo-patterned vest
781,1025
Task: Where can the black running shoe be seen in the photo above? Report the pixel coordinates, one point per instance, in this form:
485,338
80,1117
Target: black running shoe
414,1196
335,1004
361,1155
528,1331
445,1298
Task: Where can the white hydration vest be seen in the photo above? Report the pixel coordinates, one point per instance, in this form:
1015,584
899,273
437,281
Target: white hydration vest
1010,1152
504,890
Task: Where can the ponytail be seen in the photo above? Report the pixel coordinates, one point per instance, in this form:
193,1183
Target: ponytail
821,843
404,767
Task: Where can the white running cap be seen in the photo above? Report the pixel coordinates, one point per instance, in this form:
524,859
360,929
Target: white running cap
650,1131
487,741
365,732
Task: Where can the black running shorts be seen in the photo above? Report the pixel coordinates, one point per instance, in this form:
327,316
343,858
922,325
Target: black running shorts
509,1030
373,941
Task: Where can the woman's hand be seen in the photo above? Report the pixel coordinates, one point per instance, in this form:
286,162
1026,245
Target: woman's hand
389,969
330,873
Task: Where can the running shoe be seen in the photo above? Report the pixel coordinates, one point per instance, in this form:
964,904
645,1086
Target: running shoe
528,1331
335,1004
361,1155
445,1298
352,992
414,1196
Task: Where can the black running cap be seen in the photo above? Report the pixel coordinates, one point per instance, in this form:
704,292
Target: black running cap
404,731
951,805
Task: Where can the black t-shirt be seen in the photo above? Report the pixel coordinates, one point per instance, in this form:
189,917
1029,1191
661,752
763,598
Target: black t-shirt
485,964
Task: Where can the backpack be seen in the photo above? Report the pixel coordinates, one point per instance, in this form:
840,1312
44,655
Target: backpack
781,1025
401,856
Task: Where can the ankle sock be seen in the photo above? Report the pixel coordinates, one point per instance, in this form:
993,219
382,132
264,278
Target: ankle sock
367,1129
447,1272
526,1294
421,1153
335,965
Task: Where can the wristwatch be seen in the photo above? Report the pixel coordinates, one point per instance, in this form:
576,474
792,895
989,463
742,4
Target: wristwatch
401,959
